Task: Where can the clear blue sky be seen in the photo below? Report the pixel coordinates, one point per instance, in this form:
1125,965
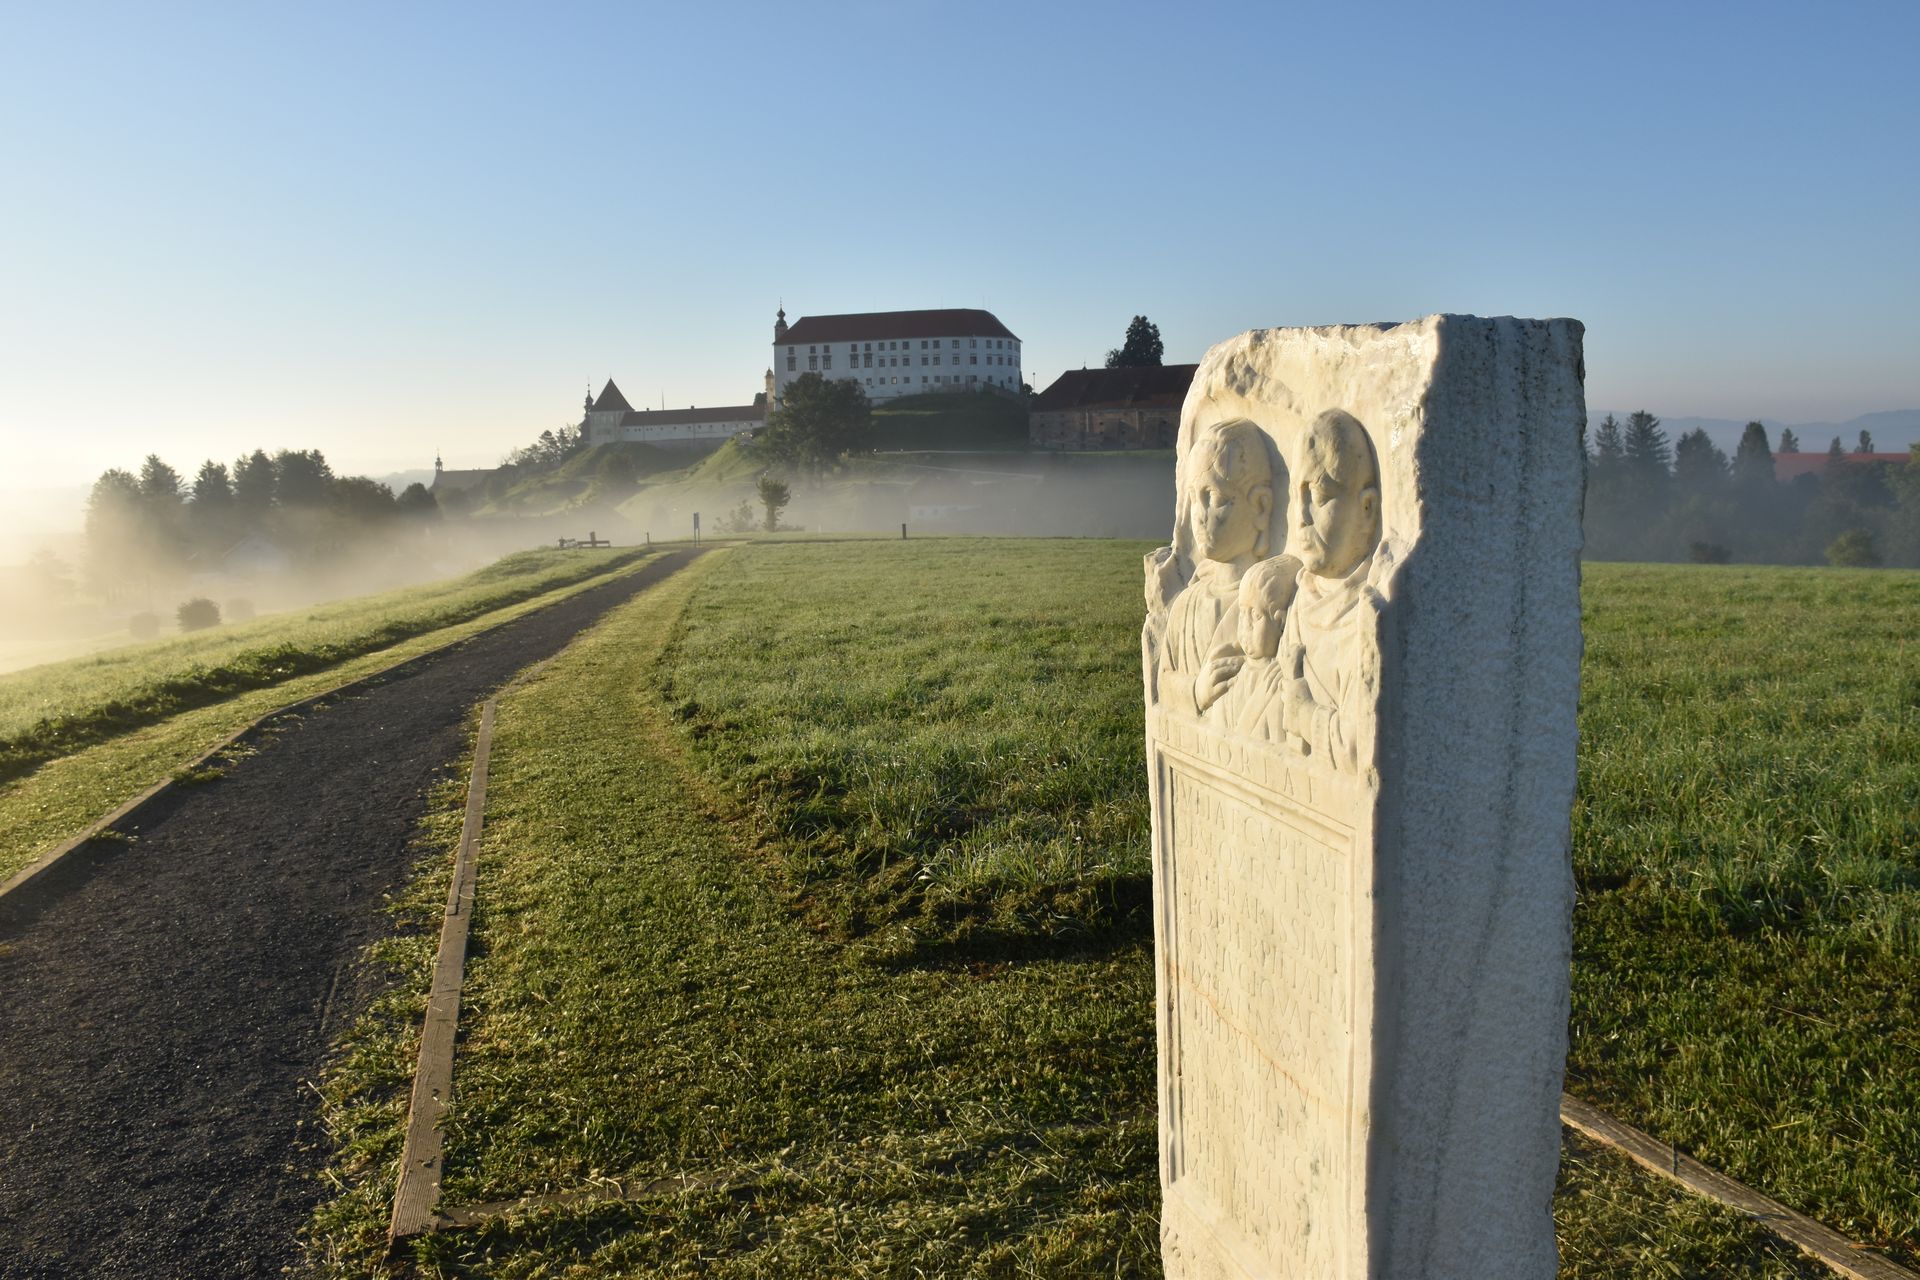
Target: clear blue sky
388,229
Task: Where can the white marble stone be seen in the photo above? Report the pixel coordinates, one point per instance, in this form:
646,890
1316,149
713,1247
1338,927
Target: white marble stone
1362,661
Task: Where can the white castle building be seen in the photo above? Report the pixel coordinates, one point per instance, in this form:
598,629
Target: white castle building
899,353
889,353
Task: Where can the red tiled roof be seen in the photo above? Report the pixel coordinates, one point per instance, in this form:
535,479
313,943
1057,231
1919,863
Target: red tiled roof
1789,466
676,417
1087,388
610,398
962,322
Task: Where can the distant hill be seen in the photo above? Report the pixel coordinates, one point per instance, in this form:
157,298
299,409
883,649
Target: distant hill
1893,429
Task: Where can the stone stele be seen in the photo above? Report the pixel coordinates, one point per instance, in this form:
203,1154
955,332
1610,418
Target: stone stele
1362,661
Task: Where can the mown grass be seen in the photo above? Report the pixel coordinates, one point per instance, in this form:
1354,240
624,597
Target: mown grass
55,709
772,894
1747,847
62,797
945,734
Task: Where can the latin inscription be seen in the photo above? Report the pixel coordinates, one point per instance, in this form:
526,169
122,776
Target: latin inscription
1257,952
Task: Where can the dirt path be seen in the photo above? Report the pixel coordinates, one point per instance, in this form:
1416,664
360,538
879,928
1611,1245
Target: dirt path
164,1004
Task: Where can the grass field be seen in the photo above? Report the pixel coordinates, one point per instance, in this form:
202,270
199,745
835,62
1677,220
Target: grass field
861,940
59,798
53,710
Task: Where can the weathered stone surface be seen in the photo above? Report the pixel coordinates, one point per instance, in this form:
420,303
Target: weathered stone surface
1362,661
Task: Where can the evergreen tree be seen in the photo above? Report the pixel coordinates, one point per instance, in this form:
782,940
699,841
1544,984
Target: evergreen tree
253,485
1699,468
160,484
115,531
1649,456
1866,442
210,514
417,502
1607,443
301,478
1789,442
1140,349
1753,461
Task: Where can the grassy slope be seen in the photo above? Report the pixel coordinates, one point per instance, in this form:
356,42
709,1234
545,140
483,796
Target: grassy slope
62,797
53,710
679,853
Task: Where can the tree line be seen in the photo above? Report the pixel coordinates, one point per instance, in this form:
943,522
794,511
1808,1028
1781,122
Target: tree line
158,526
1652,498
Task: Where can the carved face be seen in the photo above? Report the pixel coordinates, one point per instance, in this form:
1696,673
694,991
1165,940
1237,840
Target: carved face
1337,507
1260,632
1227,521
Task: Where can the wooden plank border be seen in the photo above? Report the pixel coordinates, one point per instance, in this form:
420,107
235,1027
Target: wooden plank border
252,729
1822,1243
417,1195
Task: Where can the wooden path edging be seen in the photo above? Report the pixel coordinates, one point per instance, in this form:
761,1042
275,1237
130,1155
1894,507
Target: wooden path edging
1819,1242
53,857
417,1195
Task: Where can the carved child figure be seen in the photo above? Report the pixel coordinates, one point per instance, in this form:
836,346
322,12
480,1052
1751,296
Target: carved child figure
1227,505
1251,702
1336,531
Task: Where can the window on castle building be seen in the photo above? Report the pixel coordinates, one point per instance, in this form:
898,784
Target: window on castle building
923,379
923,359
972,360
826,361
813,362
868,358
923,344
790,363
789,350
812,351
936,359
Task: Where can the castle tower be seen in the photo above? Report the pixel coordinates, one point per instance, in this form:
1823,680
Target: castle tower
769,386
780,325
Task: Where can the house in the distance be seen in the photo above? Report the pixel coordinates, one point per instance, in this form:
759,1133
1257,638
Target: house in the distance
1111,408
609,418
899,353
1791,466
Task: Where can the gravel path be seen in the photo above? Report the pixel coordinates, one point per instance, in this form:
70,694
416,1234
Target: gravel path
165,1003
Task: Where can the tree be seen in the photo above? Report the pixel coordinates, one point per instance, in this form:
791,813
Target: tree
117,546
1647,452
774,496
817,421
301,477
417,502
212,489
361,500
1789,442
1699,468
1141,349
160,484
1753,461
1866,442
210,513
253,485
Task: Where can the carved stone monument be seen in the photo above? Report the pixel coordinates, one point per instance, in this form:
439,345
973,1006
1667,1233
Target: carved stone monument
1362,662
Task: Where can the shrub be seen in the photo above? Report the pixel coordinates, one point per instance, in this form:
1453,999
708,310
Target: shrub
1853,549
240,610
198,614
144,626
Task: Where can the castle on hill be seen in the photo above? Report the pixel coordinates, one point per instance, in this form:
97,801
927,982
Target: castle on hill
889,353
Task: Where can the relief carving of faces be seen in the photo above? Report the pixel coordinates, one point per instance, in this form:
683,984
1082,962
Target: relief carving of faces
1230,499
1336,516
